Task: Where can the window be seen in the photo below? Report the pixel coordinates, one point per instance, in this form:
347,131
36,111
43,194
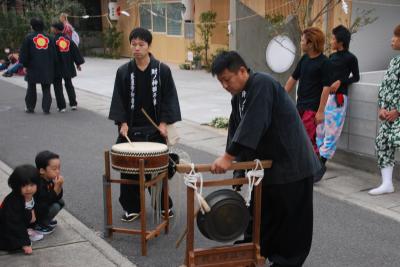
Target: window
145,16
158,16
174,17
162,17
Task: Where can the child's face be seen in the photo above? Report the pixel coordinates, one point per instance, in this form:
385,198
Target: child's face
28,191
52,170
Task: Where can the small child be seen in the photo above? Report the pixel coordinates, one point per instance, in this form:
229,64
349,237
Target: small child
50,191
17,210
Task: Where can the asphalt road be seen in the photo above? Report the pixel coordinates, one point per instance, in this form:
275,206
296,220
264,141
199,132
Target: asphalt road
344,235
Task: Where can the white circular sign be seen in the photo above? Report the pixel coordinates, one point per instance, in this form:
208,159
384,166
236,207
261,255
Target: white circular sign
280,53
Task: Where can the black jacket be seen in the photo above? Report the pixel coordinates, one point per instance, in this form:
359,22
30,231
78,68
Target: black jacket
167,103
265,124
45,196
14,222
67,54
37,54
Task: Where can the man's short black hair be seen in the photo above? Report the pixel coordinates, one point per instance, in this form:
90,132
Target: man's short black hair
342,35
230,60
37,24
42,159
23,175
142,34
58,26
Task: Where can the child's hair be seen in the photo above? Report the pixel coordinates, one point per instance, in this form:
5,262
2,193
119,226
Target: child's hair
142,34
343,35
315,36
23,175
42,159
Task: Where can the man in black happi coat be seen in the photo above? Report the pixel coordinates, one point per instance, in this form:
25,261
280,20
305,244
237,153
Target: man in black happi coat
37,55
264,124
68,56
145,83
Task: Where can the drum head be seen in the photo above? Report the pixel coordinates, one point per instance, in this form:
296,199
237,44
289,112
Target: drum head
228,217
140,148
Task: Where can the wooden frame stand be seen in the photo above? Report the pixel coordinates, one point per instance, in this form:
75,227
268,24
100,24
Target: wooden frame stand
247,254
145,234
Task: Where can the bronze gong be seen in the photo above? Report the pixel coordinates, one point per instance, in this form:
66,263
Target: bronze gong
228,217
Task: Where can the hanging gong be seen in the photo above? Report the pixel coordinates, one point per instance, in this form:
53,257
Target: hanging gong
228,217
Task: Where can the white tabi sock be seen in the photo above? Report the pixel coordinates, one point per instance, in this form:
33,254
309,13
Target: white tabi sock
387,184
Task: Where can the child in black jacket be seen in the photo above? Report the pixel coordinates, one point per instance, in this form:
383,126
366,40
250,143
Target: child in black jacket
17,210
50,191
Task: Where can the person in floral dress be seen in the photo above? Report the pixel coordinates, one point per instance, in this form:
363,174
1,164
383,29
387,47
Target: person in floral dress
388,138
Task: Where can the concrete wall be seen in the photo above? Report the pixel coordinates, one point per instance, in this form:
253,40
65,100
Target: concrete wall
372,43
251,37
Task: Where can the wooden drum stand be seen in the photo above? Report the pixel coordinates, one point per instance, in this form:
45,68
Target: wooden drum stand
246,254
145,234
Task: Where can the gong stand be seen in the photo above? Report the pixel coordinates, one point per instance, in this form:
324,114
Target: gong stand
145,234
246,254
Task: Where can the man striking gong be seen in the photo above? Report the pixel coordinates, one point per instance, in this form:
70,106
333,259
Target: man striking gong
264,124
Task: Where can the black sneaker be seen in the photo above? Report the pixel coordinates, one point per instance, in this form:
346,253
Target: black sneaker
44,230
170,213
53,223
129,217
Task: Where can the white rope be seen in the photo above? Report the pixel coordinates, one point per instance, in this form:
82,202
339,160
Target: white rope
190,179
251,177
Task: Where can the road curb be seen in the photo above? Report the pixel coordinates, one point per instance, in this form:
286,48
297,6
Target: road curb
359,203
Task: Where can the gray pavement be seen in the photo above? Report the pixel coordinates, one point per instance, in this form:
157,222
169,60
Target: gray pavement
342,183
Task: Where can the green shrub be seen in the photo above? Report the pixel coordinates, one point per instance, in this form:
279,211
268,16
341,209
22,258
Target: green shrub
220,122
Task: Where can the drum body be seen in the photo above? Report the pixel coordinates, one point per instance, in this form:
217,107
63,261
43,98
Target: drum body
125,157
228,217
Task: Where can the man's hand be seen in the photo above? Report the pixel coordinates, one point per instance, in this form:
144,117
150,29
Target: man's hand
163,129
319,117
27,250
25,70
221,164
392,115
124,129
382,114
335,86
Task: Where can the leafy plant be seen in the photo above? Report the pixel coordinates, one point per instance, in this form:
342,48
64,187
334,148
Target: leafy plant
50,10
220,122
13,29
112,41
206,27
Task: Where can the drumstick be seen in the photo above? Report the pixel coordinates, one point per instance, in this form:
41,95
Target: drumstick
129,140
150,120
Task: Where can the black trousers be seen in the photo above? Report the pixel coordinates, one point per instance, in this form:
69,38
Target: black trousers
31,97
286,223
54,209
58,91
130,194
